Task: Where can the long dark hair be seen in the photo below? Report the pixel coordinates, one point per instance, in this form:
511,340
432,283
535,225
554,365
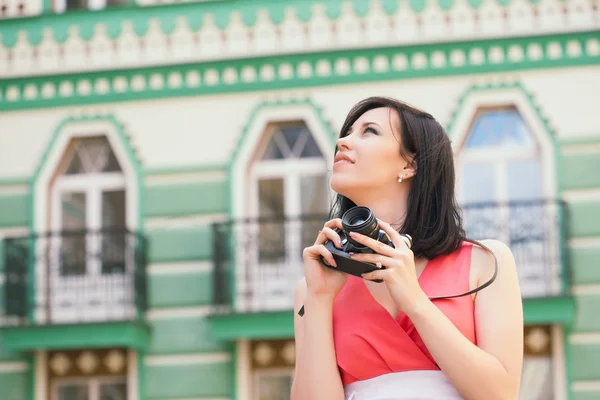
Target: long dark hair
433,217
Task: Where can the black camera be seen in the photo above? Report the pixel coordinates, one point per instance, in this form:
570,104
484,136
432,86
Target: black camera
361,220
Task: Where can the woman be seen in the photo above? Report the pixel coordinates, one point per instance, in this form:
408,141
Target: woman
363,340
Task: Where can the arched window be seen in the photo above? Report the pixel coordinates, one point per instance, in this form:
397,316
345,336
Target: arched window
502,186
289,195
88,242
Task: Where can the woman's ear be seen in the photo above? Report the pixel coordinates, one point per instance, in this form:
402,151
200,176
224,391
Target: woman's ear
409,170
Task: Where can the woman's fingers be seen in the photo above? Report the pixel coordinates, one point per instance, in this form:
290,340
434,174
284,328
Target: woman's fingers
375,245
375,275
372,259
328,232
315,251
397,239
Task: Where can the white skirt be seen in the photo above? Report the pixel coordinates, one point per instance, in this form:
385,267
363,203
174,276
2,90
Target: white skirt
409,385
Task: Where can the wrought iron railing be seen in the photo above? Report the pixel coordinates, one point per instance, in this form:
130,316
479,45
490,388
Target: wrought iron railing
74,277
258,261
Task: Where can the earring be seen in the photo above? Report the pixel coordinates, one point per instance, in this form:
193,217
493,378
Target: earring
400,179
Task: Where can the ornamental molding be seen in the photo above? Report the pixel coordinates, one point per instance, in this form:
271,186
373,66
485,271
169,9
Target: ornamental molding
300,71
56,46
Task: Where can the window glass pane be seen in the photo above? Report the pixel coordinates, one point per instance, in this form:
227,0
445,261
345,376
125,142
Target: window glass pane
274,387
272,151
524,180
311,148
294,135
291,141
314,194
536,378
112,3
500,128
73,242
314,203
113,209
270,197
89,155
76,4
113,233
73,391
479,183
113,391
271,227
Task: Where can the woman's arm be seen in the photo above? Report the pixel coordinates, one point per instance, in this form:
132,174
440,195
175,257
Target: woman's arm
316,375
492,369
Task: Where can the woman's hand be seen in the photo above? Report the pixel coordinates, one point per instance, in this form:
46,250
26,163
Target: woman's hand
397,267
321,280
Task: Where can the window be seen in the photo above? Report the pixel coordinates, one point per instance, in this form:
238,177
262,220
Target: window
501,187
60,6
89,239
537,374
272,369
88,374
289,194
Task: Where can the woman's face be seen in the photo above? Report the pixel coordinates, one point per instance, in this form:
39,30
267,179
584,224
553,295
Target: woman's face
368,157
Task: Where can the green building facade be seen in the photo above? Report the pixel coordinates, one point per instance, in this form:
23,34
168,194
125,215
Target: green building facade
162,165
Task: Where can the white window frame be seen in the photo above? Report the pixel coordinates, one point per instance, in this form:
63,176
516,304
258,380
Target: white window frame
255,132
92,185
43,192
516,97
243,181
498,156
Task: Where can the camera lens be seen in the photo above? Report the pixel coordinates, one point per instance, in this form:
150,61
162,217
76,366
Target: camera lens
361,220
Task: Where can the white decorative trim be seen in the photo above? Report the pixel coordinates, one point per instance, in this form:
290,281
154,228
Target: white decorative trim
186,221
132,375
22,9
15,366
186,359
177,268
574,150
41,375
582,290
585,338
185,177
586,386
581,195
13,231
243,370
558,363
156,314
584,242
14,189
320,33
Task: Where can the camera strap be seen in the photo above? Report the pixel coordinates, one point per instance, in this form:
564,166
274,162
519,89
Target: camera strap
483,286
477,289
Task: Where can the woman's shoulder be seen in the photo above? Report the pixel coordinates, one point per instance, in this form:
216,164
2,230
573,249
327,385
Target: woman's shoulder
489,254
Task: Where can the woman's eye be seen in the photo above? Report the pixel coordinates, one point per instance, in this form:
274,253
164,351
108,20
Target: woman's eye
371,130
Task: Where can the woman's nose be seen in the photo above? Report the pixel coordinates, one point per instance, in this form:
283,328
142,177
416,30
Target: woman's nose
343,142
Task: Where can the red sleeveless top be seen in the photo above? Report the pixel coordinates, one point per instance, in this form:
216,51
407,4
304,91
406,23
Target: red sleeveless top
369,342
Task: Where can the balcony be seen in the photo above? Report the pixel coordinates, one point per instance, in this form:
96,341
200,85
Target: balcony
75,289
258,261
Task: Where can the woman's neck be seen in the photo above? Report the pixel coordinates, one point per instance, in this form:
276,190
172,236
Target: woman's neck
389,207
